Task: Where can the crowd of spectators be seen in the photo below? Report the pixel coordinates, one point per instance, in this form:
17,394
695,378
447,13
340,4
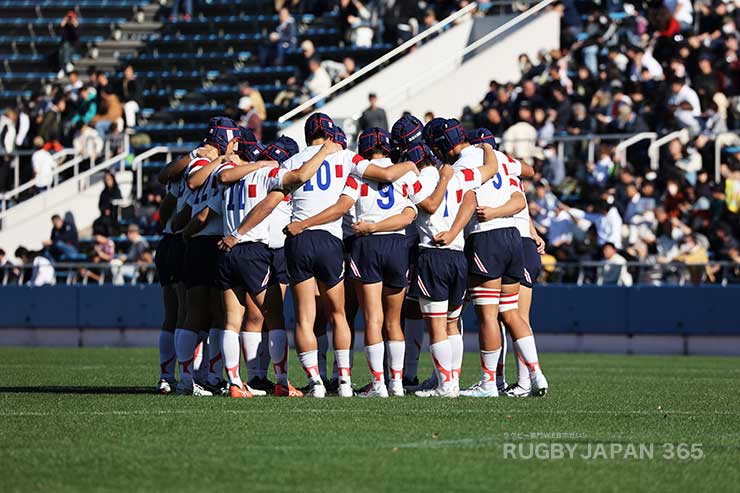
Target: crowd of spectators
624,68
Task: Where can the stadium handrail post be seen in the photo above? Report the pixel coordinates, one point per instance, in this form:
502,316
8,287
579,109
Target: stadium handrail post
654,149
621,149
391,54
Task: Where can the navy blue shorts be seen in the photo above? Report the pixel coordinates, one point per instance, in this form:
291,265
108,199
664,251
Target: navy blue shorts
380,258
279,271
201,261
532,262
247,265
165,259
315,253
348,242
441,275
496,254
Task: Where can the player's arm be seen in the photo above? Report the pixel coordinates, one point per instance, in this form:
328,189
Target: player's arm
182,218
167,208
515,204
490,163
301,175
389,174
393,223
258,214
432,203
238,172
536,237
332,213
173,169
527,170
196,223
467,208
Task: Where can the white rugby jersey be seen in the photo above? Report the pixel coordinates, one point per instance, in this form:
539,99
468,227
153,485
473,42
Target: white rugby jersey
278,219
208,195
493,193
325,187
375,201
521,218
430,225
240,197
180,187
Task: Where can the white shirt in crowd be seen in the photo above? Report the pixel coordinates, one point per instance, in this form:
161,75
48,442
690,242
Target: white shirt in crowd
42,272
43,168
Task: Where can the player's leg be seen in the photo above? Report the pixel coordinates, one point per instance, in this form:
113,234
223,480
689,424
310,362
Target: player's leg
304,301
322,338
501,366
413,331
167,356
522,337
435,315
234,314
251,338
485,294
198,320
371,303
395,345
454,335
215,379
332,296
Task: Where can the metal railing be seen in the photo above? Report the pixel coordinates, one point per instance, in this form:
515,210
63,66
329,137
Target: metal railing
148,154
577,273
654,149
381,60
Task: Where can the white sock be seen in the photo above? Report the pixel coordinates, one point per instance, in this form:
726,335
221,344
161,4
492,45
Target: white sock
250,345
522,371
442,359
456,346
344,365
230,348
528,351
187,340
263,356
215,357
501,365
396,351
167,356
488,362
322,342
310,362
278,341
374,354
414,332
202,351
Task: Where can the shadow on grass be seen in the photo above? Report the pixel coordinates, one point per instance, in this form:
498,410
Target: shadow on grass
63,389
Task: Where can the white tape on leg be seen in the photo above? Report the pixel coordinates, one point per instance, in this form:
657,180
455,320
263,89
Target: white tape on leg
509,301
432,309
484,296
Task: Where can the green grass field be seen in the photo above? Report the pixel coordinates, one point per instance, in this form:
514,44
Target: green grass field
85,419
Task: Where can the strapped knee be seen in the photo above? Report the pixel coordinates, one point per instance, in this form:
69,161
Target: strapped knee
509,301
484,296
454,314
432,309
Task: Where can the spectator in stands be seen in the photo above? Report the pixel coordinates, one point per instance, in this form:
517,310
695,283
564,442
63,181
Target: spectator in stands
72,89
51,123
284,38
685,104
258,103
7,146
520,138
250,117
354,20
88,143
303,67
70,38
63,241
110,113
42,271
373,116
137,245
338,71
615,268
188,7
104,250
110,194
553,168
318,81
43,166
130,93
88,107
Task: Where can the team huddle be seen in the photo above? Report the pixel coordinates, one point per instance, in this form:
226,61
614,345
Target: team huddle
418,222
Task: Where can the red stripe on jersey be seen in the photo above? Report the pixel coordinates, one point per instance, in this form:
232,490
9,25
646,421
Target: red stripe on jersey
351,182
469,174
357,159
199,163
363,190
506,170
252,191
339,170
511,159
287,198
274,172
459,196
513,182
405,189
417,186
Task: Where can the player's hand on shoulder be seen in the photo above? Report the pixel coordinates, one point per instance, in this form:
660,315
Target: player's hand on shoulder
330,147
363,228
294,229
412,167
446,172
208,153
444,238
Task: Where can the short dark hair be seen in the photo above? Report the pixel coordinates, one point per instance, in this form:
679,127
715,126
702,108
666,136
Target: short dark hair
2,252
609,244
21,252
56,216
